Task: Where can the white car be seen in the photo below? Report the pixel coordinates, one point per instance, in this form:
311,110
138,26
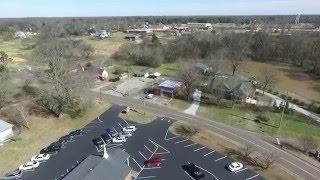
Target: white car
129,129
149,96
125,134
16,174
40,157
119,139
235,166
29,165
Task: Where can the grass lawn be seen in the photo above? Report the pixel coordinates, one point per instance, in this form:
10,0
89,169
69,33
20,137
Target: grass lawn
42,132
293,125
219,143
179,104
138,116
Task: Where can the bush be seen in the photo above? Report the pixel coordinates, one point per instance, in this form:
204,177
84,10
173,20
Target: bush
262,117
187,131
118,71
283,96
76,109
289,98
295,101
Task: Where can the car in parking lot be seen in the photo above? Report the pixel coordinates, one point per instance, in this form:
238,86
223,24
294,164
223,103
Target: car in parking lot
52,149
112,132
106,137
118,139
78,132
155,161
98,142
16,174
29,165
40,157
125,134
129,129
194,171
235,166
66,139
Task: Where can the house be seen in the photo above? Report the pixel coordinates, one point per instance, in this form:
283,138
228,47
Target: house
231,87
141,74
114,164
203,69
142,32
103,34
199,26
5,131
168,88
98,73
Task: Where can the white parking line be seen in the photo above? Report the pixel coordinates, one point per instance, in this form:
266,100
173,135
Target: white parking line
146,177
152,168
147,148
137,163
199,149
157,145
208,153
165,137
190,145
189,175
208,172
252,177
241,170
120,125
142,155
220,159
115,130
181,141
99,119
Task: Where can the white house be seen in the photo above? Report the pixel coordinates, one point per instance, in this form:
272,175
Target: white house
5,130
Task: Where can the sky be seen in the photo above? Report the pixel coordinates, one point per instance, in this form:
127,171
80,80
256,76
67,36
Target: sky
87,8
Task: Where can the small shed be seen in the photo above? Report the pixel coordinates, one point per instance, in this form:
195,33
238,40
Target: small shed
5,130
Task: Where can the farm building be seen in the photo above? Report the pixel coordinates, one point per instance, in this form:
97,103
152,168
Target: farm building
231,87
5,130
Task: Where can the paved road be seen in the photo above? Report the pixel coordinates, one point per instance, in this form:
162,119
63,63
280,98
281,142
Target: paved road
299,167
279,100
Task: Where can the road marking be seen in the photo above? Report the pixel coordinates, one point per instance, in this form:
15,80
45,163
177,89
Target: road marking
115,130
181,141
114,146
99,119
142,155
252,177
165,137
220,159
147,148
167,151
190,145
241,170
120,125
208,172
152,168
189,175
298,167
199,149
146,177
137,163
208,153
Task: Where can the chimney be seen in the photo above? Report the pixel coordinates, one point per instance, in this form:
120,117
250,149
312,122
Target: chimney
105,153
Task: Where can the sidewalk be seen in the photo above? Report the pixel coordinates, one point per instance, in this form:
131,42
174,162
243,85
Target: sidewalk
192,110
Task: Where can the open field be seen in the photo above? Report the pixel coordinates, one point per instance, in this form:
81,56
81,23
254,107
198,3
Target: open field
43,131
292,125
221,144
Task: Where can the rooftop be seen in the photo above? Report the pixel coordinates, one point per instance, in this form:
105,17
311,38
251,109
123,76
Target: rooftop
170,84
4,125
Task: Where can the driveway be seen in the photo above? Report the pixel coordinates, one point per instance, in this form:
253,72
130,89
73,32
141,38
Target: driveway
192,110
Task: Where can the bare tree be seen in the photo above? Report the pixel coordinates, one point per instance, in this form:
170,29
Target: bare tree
190,78
307,143
4,88
246,151
267,78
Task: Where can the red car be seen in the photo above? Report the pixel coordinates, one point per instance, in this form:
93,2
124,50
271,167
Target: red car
155,161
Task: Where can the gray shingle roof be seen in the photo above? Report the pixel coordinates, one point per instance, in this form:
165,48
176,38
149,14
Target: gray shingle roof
98,168
4,125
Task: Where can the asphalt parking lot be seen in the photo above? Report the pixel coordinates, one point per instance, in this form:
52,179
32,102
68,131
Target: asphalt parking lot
149,140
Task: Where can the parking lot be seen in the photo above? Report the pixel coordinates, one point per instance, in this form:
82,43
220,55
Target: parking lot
149,140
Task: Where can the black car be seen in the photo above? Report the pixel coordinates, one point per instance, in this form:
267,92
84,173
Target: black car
194,171
106,137
65,139
16,174
112,132
98,142
78,132
52,149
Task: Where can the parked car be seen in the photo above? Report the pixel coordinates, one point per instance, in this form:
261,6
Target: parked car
16,174
148,91
52,149
155,161
40,157
235,166
66,139
98,142
118,139
125,134
78,132
129,129
194,171
112,132
29,165
149,96
106,137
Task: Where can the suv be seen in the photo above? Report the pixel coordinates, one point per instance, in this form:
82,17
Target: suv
106,137
155,161
112,132
194,171
98,142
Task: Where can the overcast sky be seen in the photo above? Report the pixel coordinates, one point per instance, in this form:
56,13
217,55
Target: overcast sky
67,8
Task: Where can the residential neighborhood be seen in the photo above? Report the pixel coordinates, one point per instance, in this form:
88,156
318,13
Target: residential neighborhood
199,90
